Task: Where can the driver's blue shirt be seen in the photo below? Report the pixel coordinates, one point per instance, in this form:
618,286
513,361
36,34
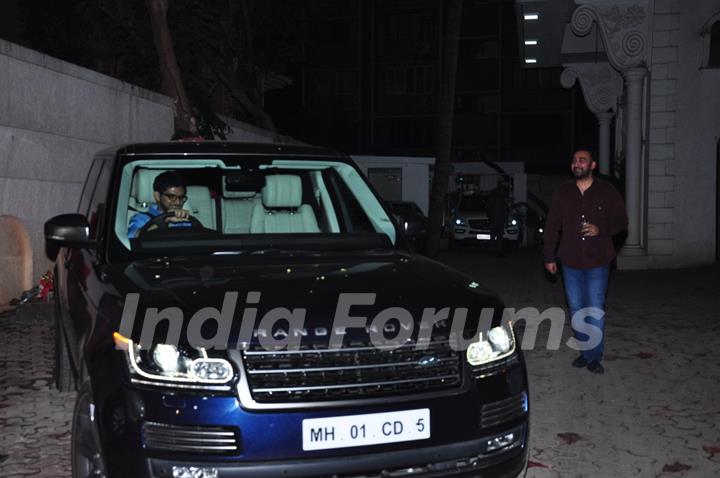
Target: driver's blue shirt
140,219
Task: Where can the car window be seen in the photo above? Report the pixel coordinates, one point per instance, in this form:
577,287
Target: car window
350,213
473,203
89,186
96,207
233,206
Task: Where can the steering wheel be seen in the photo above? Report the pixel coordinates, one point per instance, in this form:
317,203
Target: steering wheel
160,222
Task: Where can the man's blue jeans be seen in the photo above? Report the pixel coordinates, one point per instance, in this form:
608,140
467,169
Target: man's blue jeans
587,288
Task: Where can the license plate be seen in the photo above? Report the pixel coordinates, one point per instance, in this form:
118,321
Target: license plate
483,237
368,429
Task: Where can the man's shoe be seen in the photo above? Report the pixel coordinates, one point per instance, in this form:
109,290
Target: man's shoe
596,367
580,362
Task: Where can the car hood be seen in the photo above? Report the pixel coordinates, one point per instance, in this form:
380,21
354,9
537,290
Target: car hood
309,282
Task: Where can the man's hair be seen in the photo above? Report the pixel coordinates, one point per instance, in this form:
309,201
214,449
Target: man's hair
589,150
167,180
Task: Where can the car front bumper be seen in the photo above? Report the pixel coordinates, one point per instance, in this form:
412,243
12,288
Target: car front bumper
484,235
463,459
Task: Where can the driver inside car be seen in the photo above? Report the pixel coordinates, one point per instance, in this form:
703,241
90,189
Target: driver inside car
169,191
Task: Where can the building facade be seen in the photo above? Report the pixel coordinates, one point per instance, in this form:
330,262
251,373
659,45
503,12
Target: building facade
371,78
649,71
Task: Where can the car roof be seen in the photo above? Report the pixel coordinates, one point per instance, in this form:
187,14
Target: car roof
191,148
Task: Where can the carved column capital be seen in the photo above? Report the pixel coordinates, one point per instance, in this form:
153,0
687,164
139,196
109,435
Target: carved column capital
605,117
624,27
634,76
601,84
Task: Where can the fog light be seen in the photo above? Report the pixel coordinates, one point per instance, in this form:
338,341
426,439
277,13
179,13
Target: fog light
212,369
500,441
193,472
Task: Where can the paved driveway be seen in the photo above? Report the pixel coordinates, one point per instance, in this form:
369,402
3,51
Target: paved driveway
655,413
656,410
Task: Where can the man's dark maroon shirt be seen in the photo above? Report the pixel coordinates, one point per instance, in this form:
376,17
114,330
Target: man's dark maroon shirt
603,206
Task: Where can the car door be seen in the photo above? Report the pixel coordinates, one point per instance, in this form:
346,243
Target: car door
81,265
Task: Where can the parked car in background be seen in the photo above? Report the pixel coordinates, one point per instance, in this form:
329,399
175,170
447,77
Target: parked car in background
272,229
411,220
470,222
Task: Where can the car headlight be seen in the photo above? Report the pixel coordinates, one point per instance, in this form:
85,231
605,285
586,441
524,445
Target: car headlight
513,222
497,343
168,365
460,221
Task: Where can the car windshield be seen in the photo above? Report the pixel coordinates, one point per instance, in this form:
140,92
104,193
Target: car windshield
246,205
473,203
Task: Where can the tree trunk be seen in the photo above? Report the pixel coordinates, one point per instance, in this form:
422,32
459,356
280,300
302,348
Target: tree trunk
443,142
242,98
169,70
240,80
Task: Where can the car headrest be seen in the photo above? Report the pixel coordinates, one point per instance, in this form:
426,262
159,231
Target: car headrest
236,194
142,186
282,190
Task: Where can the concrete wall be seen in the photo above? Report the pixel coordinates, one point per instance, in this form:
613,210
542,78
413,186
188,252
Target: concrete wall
53,117
246,132
684,124
698,129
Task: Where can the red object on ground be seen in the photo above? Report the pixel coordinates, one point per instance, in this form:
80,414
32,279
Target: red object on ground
712,449
47,285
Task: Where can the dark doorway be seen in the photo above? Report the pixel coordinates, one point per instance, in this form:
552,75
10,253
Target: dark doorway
717,203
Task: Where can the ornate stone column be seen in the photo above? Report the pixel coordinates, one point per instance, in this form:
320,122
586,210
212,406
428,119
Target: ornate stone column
604,120
633,160
624,28
602,87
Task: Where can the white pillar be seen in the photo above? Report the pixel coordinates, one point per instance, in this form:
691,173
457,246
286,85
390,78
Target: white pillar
604,141
633,159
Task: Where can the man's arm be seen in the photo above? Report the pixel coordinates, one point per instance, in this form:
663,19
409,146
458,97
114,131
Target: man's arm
618,220
553,225
136,223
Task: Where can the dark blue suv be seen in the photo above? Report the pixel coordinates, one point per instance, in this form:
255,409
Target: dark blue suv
246,310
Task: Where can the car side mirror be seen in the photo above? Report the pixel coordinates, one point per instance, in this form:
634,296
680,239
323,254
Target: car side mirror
68,230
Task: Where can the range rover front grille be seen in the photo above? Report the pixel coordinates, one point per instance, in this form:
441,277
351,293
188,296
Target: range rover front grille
356,371
190,439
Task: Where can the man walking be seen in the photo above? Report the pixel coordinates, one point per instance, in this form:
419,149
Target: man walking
497,210
584,216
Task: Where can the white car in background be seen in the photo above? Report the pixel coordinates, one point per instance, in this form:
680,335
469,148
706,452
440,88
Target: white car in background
471,223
